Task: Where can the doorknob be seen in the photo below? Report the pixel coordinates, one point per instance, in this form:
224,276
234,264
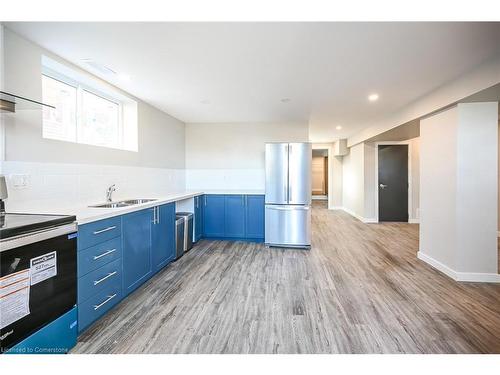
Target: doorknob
382,186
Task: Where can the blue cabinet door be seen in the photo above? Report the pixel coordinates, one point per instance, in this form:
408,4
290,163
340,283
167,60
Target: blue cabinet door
198,217
254,212
136,249
213,215
234,218
58,337
163,236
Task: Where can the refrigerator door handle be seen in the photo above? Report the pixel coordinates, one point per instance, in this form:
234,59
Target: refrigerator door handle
289,208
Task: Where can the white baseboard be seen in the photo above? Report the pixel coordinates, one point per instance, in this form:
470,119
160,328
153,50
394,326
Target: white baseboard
459,276
352,213
413,221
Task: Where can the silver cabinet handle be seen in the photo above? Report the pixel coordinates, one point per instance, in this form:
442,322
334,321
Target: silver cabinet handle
158,215
382,186
154,215
105,229
205,200
105,278
104,254
104,302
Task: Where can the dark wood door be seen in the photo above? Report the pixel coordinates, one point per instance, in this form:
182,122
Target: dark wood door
393,183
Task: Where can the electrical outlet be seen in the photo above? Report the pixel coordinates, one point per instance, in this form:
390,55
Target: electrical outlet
19,181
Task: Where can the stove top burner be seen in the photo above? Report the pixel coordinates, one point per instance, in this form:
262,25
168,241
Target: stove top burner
13,224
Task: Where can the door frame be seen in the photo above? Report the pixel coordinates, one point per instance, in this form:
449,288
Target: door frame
410,188
329,153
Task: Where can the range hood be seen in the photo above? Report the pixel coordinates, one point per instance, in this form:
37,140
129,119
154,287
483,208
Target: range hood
11,103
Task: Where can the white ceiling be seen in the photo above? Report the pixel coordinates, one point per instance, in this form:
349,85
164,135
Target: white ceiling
239,72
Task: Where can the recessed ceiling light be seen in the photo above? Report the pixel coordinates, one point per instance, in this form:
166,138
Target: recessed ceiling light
338,127
285,100
373,97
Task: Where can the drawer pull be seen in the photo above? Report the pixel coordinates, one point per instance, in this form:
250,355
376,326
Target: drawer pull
104,254
104,278
104,302
105,230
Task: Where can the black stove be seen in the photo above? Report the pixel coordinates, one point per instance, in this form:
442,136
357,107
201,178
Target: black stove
12,224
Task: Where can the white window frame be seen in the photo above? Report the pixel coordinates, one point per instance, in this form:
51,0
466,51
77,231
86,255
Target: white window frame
81,87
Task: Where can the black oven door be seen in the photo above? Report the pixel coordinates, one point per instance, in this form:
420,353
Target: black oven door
37,281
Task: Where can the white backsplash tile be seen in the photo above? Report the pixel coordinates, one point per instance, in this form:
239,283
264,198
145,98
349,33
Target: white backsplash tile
56,185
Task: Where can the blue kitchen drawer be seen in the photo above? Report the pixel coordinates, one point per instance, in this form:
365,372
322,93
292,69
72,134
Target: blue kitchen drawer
57,337
99,304
97,256
99,231
100,279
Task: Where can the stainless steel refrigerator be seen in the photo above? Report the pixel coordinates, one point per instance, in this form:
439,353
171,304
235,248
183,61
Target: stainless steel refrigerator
288,195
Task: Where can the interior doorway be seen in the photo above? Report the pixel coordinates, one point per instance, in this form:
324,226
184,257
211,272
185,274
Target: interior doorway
393,177
320,174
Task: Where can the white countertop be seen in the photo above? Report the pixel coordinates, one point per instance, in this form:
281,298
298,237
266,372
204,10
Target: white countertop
235,191
85,214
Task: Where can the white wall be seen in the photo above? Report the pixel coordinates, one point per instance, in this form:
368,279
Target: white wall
477,178
438,149
232,156
415,179
353,181
75,174
458,194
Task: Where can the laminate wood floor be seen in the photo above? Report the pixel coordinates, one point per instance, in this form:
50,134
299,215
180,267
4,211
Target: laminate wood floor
361,289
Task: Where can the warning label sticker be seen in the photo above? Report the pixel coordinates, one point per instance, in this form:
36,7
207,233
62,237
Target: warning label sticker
43,267
14,297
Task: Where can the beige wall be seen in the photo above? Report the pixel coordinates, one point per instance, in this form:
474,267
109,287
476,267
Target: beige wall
161,137
236,145
232,155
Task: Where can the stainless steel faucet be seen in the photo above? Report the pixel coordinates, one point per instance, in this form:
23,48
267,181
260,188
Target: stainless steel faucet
109,193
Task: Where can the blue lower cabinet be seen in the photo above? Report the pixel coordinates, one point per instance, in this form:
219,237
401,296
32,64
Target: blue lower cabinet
234,216
163,236
99,304
136,249
213,215
254,213
198,217
98,231
98,280
97,256
57,337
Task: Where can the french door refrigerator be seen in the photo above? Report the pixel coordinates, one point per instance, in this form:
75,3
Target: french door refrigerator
288,195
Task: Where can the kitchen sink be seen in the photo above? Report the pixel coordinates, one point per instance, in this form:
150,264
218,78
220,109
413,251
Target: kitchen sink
138,201
120,204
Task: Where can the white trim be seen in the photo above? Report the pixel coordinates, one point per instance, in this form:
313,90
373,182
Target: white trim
410,187
355,215
459,276
319,197
413,221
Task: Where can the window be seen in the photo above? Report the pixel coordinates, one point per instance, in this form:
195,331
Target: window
61,123
85,114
